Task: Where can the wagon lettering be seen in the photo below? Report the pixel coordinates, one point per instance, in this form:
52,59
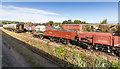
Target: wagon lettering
117,45
102,41
50,32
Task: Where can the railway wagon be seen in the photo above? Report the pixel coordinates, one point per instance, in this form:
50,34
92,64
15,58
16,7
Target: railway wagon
32,27
61,35
39,31
29,29
14,27
72,27
49,26
101,41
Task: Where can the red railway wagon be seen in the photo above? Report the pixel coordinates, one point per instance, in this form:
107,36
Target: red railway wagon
72,27
116,41
100,40
49,26
63,34
95,37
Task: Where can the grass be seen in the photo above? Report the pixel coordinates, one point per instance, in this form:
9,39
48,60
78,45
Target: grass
99,56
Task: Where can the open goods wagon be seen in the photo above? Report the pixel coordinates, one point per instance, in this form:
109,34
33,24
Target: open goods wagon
101,41
14,27
109,42
72,27
60,34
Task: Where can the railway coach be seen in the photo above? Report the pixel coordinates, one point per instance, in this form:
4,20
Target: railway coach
14,27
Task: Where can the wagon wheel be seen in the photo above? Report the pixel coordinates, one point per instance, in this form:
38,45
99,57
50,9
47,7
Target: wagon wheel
59,40
33,35
118,53
96,47
41,37
67,42
89,47
113,52
102,49
51,39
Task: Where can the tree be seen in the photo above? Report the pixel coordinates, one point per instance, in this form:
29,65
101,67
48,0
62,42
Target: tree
84,22
104,28
86,28
64,22
70,22
104,21
22,23
117,29
77,22
28,24
50,22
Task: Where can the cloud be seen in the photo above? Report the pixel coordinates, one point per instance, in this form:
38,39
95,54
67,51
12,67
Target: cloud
28,10
29,14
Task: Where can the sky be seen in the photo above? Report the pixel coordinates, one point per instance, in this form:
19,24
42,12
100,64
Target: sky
60,0
36,12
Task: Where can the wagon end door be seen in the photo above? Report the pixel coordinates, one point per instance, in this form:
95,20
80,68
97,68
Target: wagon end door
86,38
116,41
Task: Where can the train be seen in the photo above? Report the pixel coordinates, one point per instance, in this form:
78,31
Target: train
109,42
14,27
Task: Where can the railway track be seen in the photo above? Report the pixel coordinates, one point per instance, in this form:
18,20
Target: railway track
86,50
90,52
